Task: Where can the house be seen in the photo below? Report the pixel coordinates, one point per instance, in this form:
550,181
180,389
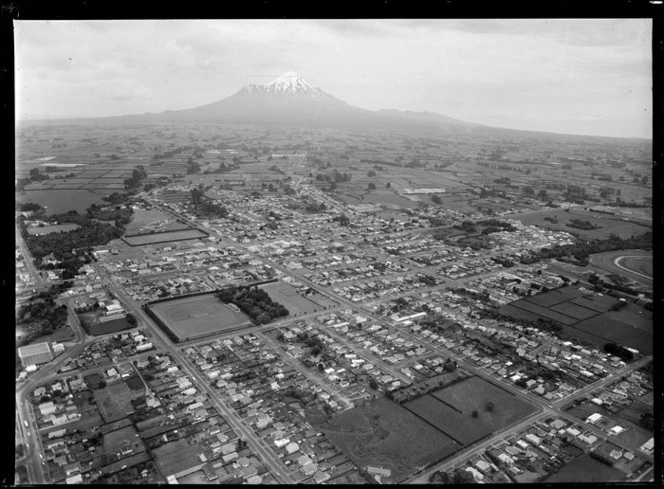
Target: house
594,418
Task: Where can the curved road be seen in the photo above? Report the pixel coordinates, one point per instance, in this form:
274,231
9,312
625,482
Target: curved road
610,262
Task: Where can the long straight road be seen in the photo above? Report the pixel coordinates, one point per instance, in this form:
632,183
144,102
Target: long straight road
160,340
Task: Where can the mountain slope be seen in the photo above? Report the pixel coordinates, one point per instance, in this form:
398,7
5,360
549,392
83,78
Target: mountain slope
290,100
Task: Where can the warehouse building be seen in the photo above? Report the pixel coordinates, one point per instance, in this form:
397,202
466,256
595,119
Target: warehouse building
35,354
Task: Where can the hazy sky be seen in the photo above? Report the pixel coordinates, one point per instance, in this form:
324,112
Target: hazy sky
571,76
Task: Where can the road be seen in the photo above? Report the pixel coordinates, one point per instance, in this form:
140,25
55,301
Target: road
159,340
40,283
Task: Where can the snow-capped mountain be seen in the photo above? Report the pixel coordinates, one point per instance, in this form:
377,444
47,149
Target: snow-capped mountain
290,83
289,100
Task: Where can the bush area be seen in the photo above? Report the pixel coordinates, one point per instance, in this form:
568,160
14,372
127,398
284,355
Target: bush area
72,249
581,224
254,302
42,316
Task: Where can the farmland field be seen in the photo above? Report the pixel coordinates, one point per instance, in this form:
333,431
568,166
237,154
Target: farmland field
59,201
145,239
605,328
450,409
610,224
584,468
588,318
288,295
382,433
194,317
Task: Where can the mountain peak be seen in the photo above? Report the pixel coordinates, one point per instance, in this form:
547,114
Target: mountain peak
291,82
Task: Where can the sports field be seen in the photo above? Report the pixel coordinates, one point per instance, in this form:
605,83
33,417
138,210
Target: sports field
145,239
198,316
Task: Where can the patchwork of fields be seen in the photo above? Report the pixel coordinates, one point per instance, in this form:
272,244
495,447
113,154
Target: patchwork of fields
451,409
588,317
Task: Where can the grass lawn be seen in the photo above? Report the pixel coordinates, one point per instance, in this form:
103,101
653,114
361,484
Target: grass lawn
382,433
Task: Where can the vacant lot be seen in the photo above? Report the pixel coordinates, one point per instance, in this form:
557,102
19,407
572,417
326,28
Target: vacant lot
450,409
195,317
122,438
584,468
110,326
145,239
176,456
288,295
382,433
114,401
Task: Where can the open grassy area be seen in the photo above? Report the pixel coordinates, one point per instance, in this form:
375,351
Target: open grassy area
584,468
149,221
145,239
639,264
176,456
451,409
382,433
57,228
122,438
194,317
59,201
114,401
109,327
288,295
609,224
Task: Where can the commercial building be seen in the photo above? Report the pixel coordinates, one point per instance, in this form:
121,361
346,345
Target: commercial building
35,354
